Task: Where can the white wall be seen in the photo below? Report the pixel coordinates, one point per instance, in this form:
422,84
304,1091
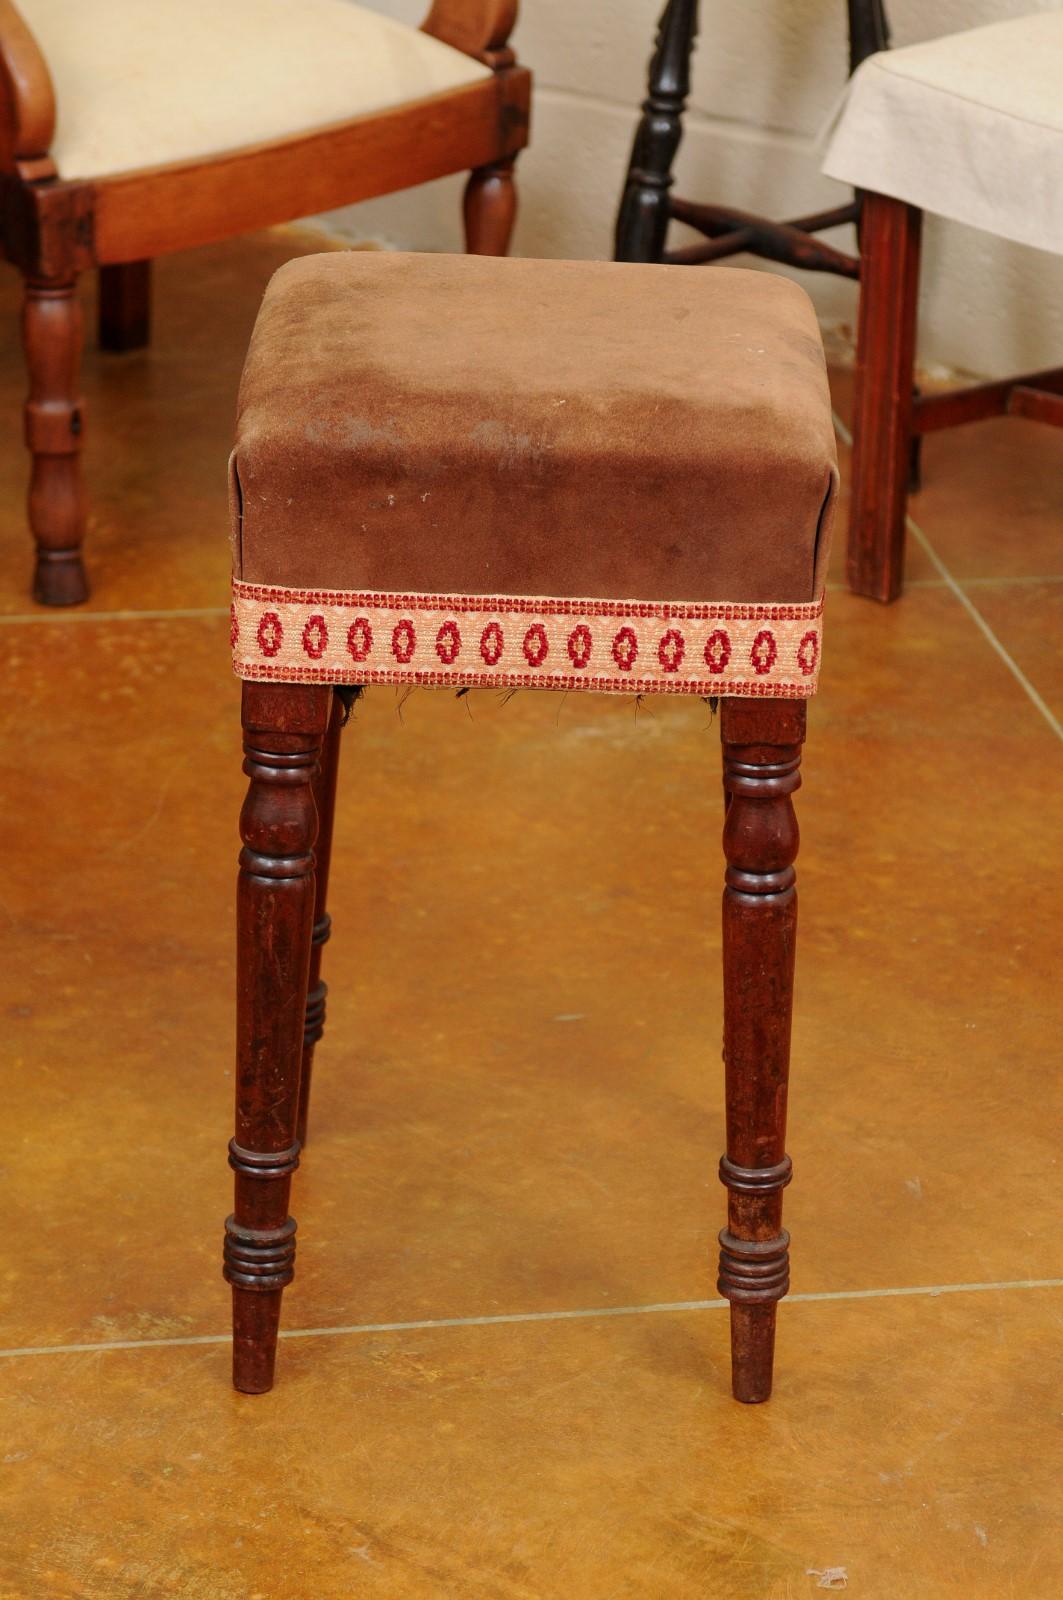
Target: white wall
766,75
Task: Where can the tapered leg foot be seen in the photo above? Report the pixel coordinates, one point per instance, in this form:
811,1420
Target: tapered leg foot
54,425
256,1325
257,1305
762,753
283,729
490,209
59,578
752,1352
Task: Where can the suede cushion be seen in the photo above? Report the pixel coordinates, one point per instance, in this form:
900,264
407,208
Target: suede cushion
453,424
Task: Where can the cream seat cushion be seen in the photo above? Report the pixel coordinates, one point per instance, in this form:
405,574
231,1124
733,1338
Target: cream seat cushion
969,126
141,83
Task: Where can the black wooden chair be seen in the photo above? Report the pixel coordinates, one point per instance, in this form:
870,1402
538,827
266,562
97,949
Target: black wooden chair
648,205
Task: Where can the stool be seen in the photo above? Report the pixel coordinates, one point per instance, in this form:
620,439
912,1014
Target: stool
455,471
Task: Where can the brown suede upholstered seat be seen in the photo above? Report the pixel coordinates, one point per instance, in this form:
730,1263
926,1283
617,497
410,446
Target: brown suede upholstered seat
439,459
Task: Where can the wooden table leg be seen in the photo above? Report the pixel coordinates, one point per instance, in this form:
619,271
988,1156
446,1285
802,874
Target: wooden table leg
882,397
761,758
283,729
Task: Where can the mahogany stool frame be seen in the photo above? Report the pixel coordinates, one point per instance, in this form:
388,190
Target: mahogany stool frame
291,744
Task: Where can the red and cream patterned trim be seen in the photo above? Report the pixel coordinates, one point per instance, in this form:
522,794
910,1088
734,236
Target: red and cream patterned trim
498,641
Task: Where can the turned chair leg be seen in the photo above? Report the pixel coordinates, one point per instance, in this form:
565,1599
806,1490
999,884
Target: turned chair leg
761,761
283,729
642,221
54,423
124,306
490,209
317,991
882,404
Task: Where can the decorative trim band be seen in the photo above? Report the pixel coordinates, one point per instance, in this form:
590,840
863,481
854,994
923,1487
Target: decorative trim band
517,642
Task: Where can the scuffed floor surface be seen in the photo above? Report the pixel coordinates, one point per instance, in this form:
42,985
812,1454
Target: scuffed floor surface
505,1372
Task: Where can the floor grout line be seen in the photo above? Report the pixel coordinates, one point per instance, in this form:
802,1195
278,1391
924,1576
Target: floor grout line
840,587
980,622
54,615
931,1291
163,614
980,583
972,610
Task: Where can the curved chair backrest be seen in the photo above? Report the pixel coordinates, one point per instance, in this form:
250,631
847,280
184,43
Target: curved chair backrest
27,97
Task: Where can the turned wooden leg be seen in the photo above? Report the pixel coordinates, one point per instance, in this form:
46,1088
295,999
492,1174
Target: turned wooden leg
882,403
283,729
642,221
490,209
54,421
317,992
124,308
761,760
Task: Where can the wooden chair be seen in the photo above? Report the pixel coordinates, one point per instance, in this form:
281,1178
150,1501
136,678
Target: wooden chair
639,504
128,130
648,206
969,126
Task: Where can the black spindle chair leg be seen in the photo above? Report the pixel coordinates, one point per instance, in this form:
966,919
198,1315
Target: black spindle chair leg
643,219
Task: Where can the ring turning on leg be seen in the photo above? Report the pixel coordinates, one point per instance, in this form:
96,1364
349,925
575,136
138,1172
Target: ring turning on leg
283,729
762,753
55,424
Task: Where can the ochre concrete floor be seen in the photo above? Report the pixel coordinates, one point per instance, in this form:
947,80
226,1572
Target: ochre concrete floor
518,1103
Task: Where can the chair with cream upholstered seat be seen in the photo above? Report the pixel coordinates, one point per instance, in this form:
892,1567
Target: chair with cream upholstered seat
969,126
124,136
